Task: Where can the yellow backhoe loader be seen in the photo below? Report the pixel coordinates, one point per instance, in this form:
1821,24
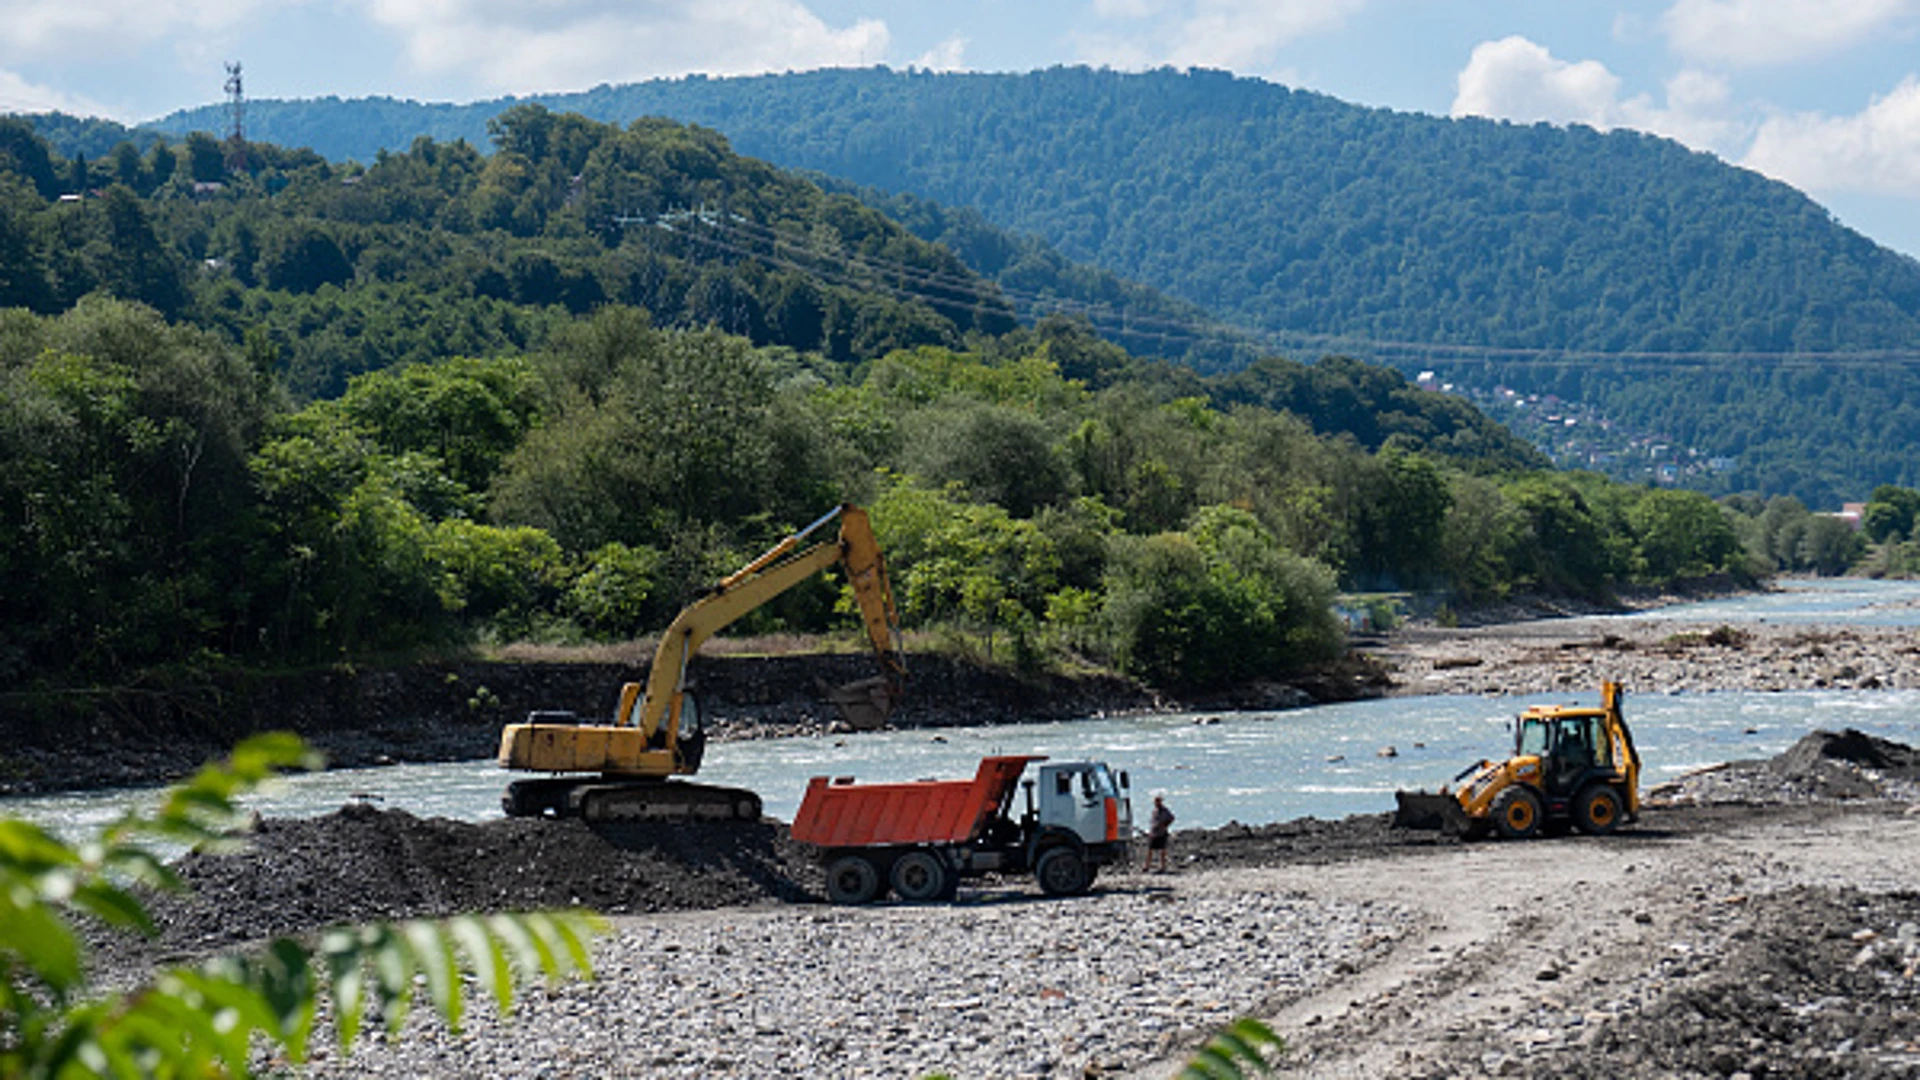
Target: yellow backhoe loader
1570,763
620,771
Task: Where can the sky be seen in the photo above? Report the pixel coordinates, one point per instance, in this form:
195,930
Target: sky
1823,94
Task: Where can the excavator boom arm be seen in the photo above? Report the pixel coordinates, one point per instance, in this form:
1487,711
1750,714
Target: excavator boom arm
766,577
653,736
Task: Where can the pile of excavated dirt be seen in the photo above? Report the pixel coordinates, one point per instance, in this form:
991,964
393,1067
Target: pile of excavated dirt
1823,766
361,864
1715,937
1820,753
1814,982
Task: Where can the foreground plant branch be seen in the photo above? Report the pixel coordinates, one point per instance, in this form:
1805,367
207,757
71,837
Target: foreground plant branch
212,1018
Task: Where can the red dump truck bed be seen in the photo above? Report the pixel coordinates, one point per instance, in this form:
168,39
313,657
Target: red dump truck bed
840,813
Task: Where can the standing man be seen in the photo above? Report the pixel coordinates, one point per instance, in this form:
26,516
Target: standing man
1159,828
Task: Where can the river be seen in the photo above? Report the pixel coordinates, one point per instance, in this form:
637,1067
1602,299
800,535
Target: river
1327,762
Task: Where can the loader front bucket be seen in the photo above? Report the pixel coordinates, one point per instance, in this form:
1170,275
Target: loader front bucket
1429,810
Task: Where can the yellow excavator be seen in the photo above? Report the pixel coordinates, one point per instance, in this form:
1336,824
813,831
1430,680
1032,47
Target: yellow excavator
620,771
1570,763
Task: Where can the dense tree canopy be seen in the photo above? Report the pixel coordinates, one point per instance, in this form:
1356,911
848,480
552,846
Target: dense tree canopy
322,414
1600,267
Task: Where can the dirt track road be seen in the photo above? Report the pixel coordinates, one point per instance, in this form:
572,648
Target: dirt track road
1524,954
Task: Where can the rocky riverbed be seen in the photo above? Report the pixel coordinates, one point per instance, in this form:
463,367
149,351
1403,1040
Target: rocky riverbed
1649,654
1761,918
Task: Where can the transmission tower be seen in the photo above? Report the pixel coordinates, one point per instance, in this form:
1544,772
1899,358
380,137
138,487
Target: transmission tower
237,133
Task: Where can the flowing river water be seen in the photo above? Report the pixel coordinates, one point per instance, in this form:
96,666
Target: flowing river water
1327,762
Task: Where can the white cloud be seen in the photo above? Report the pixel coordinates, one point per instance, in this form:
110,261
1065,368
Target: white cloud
1240,35
949,55
1875,150
569,44
1243,35
17,95
38,29
1755,33
1520,80
1700,112
1124,9
1516,79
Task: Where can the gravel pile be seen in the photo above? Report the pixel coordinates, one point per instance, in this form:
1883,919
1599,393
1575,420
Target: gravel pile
1823,766
1805,982
361,864
1001,984
725,961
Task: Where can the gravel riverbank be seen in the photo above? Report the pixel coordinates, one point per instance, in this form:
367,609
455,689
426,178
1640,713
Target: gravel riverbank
1002,983
1759,918
1648,654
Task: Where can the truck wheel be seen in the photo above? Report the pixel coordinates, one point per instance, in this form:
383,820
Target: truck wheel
1516,813
851,879
1596,810
919,876
1062,871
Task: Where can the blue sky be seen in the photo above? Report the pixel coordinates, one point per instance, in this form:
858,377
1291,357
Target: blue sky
1824,94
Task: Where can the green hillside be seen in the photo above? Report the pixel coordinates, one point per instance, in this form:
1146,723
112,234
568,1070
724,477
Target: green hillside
280,411
1610,262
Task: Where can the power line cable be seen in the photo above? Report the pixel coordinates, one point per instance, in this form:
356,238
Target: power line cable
975,292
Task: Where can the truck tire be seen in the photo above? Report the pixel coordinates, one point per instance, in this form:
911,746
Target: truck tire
851,879
1596,809
1516,813
1063,871
921,875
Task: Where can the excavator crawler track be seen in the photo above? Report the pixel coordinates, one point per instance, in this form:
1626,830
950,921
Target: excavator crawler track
602,800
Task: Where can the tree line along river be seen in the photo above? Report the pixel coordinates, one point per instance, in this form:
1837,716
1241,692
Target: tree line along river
1253,767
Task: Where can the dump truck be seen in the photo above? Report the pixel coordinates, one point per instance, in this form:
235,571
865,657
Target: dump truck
1571,764
921,838
623,770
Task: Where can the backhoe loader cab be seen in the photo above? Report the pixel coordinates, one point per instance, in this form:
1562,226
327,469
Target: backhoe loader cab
1570,763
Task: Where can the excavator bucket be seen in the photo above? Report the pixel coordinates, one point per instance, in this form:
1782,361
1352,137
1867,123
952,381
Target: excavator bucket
1430,810
865,704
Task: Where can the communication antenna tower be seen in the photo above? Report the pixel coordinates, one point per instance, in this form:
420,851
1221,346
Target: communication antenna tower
237,133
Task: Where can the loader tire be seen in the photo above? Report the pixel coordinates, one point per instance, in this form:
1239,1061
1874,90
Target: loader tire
1516,813
1597,810
920,876
851,879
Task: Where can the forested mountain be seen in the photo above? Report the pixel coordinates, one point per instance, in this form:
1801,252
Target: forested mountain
261,409
440,251
1425,242
1290,209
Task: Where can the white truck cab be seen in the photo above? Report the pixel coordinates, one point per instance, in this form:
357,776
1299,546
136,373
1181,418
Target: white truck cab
1086,798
